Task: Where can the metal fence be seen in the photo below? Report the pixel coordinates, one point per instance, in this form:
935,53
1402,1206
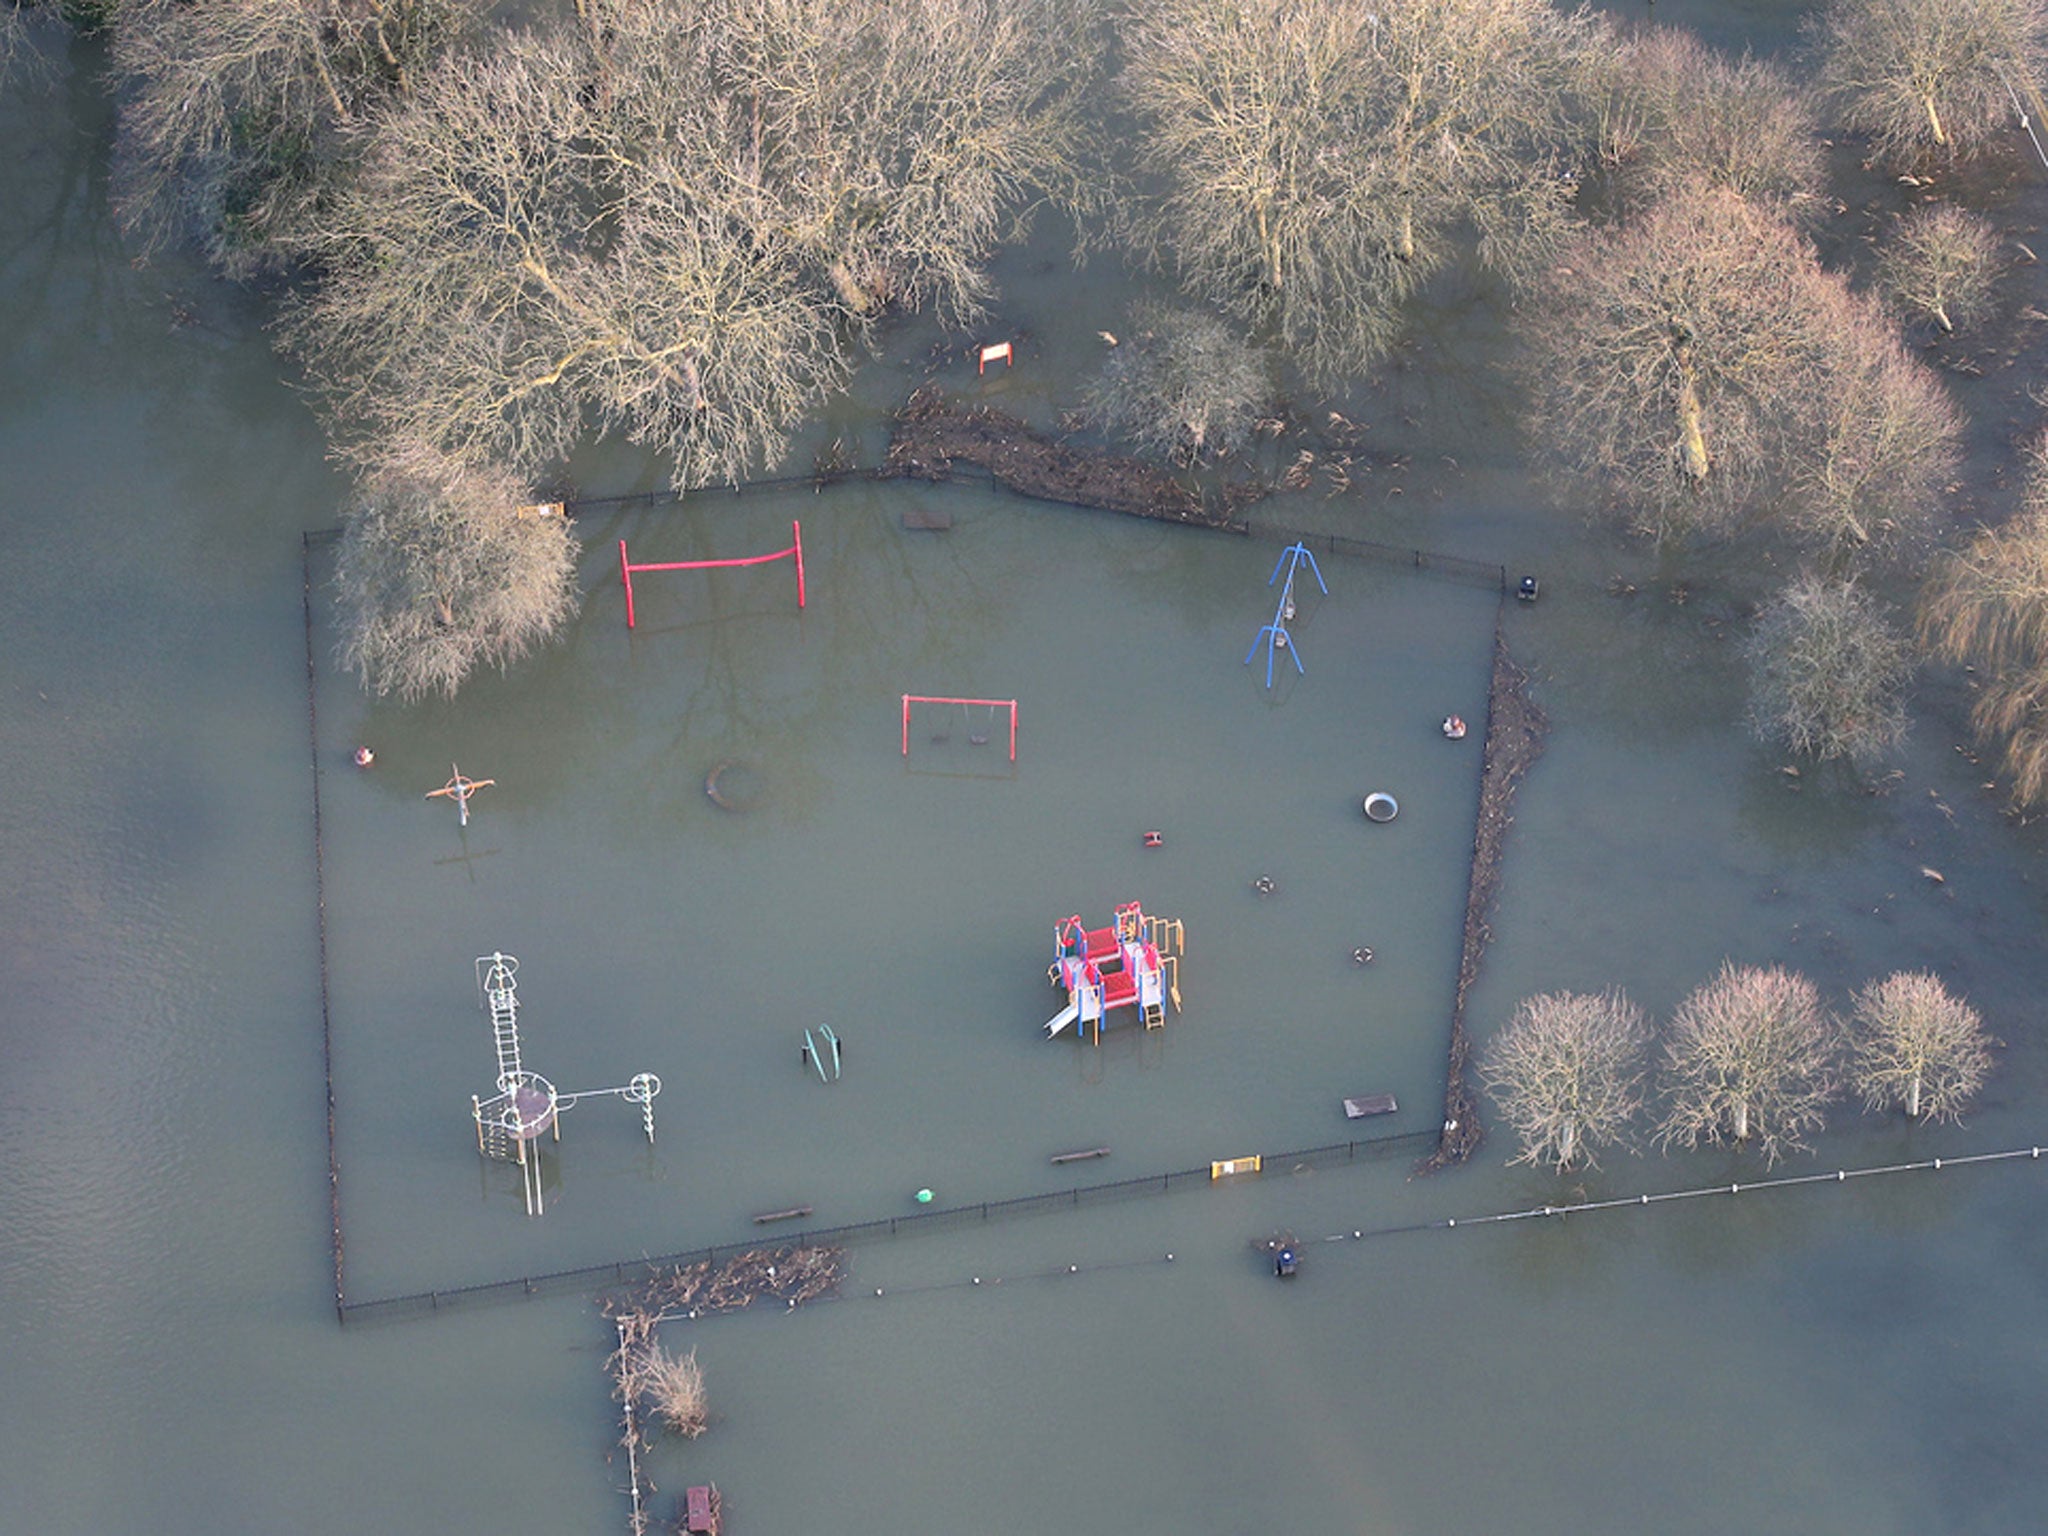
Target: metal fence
588,1277
591,1277
306,543
1458,568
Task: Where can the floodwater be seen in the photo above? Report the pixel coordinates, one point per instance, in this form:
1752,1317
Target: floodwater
1860,1357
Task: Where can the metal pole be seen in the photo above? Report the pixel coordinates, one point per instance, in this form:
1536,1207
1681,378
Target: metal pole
626,576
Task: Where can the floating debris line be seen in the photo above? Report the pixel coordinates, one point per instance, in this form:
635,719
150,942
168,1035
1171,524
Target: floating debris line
794,1274
1515,728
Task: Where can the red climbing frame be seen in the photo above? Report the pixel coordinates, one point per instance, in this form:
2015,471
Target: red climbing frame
794,552
919,698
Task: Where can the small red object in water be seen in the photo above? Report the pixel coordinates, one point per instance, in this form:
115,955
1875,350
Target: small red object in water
701,1509
1454,728
365,757
1155,840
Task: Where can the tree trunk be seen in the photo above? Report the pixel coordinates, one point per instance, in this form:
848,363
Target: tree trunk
1934,120
1404,242
851,294
1692,438
1742,1119
1913,1098
1567,1144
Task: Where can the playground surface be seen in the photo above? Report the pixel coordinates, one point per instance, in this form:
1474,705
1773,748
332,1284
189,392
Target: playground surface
906,900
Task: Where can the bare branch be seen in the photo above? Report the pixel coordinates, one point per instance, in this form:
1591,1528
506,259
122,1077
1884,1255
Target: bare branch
1940,265
1923,76
1181,384
1987,606
1826,673
441,571
236,113
1317,161
1699,369
1669,113
1567,1072
1749,1060
1917,1046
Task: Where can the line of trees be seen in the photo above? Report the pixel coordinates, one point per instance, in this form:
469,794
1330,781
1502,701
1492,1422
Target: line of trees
680,223
673,222
1751,1059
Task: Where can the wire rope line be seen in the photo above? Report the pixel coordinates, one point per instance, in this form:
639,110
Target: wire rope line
1638,1202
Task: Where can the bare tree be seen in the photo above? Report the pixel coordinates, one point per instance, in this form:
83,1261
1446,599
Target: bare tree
1987,607
1939,264
673,1386
1697,368
1669,113
889,144
1882,440
1826,673
442,569
1921,75
1180,383
1316,161
667,220
1750,1058
500,282
1567,1071
1917,1045
235,113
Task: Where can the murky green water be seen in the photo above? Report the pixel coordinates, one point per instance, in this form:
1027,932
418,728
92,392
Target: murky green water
1865,1358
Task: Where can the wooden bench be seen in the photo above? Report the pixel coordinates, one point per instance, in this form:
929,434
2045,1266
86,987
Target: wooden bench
1370,1104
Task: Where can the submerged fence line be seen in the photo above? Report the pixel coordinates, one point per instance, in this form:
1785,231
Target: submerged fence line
1460,568
1452,567
1457,568
621,1271
1640,1202
320,923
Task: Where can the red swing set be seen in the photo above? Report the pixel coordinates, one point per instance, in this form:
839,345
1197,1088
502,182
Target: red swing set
794,552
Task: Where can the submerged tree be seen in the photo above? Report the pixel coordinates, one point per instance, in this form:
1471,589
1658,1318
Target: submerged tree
1567,1072
1920,75
1317,161
442,570
668,221
236,114
1826,673
1181,384
1668,113
1916,1045
474,301
1882,444
889,143
1749,1059
1987,607
673,1386
1939,264
1697,368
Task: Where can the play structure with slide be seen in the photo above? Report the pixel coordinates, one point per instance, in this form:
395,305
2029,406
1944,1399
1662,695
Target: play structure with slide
1132,963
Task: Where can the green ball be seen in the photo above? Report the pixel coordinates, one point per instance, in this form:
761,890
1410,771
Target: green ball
924,1197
